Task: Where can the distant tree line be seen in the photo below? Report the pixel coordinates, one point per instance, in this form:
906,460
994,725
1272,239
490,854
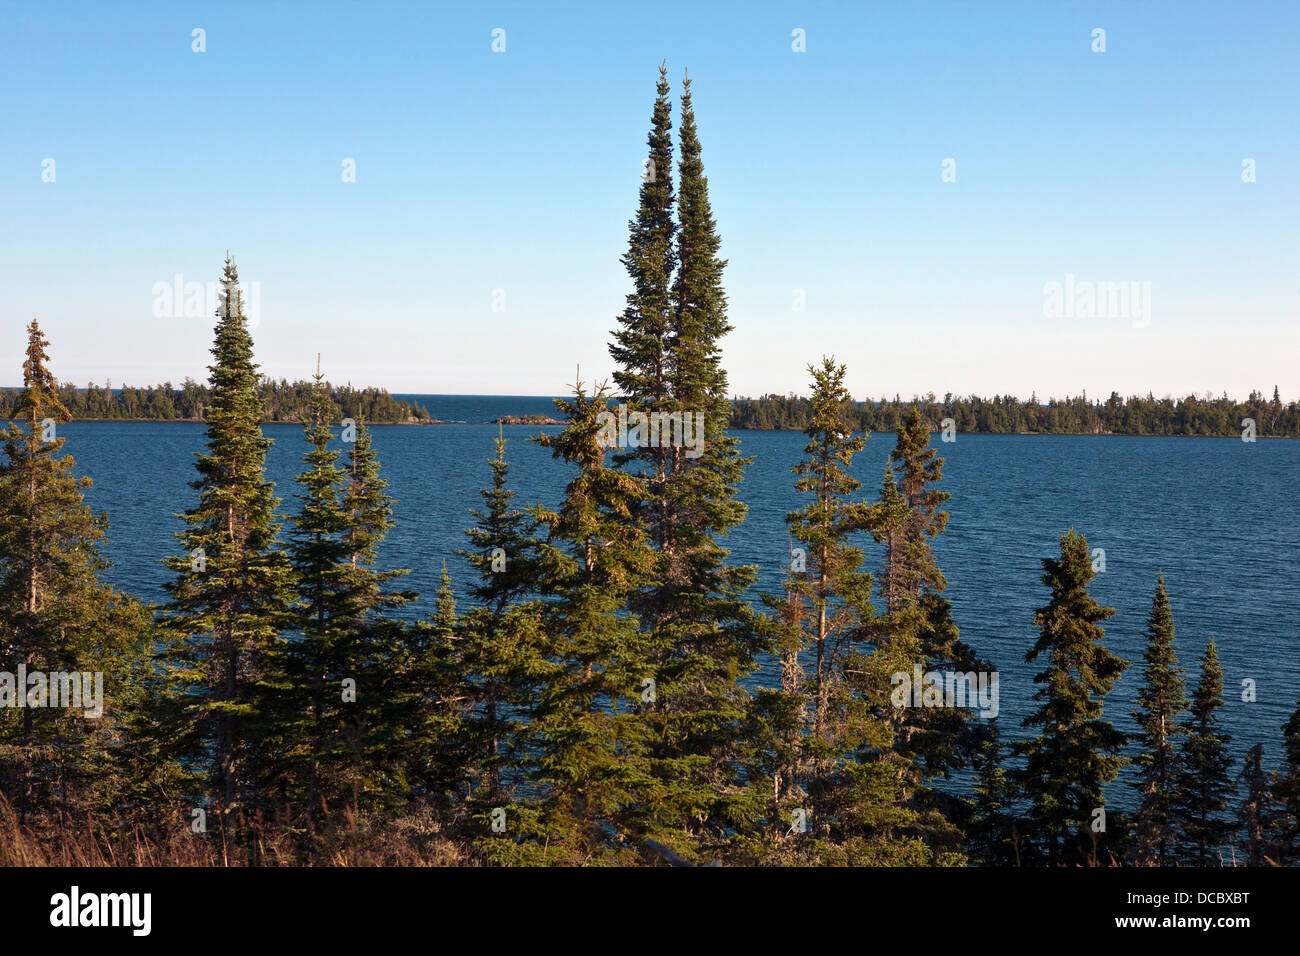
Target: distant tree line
1006,414
281,401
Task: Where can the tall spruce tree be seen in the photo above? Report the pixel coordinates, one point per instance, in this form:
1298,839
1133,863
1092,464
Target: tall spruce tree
57,617
890,519
918,628
919,469
318,656
345,651
703,634
827,598
642,342
500,645
834,762
1203,785
1161,700
232,591
991,830
383,652
586,735
440,753
1077,750
833,594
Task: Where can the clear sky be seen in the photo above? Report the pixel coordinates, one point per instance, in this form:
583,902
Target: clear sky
479,171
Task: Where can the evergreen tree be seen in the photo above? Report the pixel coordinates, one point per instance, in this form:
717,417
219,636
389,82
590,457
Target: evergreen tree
588,741
704,636
920,468
500,643
1203,786
1256,813
381,652
446,622
342,704
319,656
833,747
57,617
1286,794
439,754
233,586
641,345
826,600
1077,750
991,829
836,593
891,516
778,717
918,627
1160,700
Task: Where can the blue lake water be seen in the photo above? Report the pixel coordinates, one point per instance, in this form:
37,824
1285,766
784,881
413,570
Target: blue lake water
1218,516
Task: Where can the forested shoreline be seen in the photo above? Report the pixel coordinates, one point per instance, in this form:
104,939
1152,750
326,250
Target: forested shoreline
1221,417
289,403
586,696
281,402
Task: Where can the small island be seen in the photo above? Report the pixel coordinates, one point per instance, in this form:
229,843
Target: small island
526,420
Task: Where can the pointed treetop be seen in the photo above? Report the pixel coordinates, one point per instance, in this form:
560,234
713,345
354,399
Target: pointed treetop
890,483
40,395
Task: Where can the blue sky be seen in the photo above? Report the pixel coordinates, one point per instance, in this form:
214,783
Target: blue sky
479,171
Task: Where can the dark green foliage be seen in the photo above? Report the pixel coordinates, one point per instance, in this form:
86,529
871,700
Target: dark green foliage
1077,750
1161,699
588,741
641,344
318,656
444,614
56,616
913,571
991,831
233,587
829,595
1286,794
1203,784
1257,811
437,749
340,730
917,625
498,654
703,635
831,747
888,526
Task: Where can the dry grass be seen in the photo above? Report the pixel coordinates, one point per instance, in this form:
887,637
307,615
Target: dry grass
87,841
